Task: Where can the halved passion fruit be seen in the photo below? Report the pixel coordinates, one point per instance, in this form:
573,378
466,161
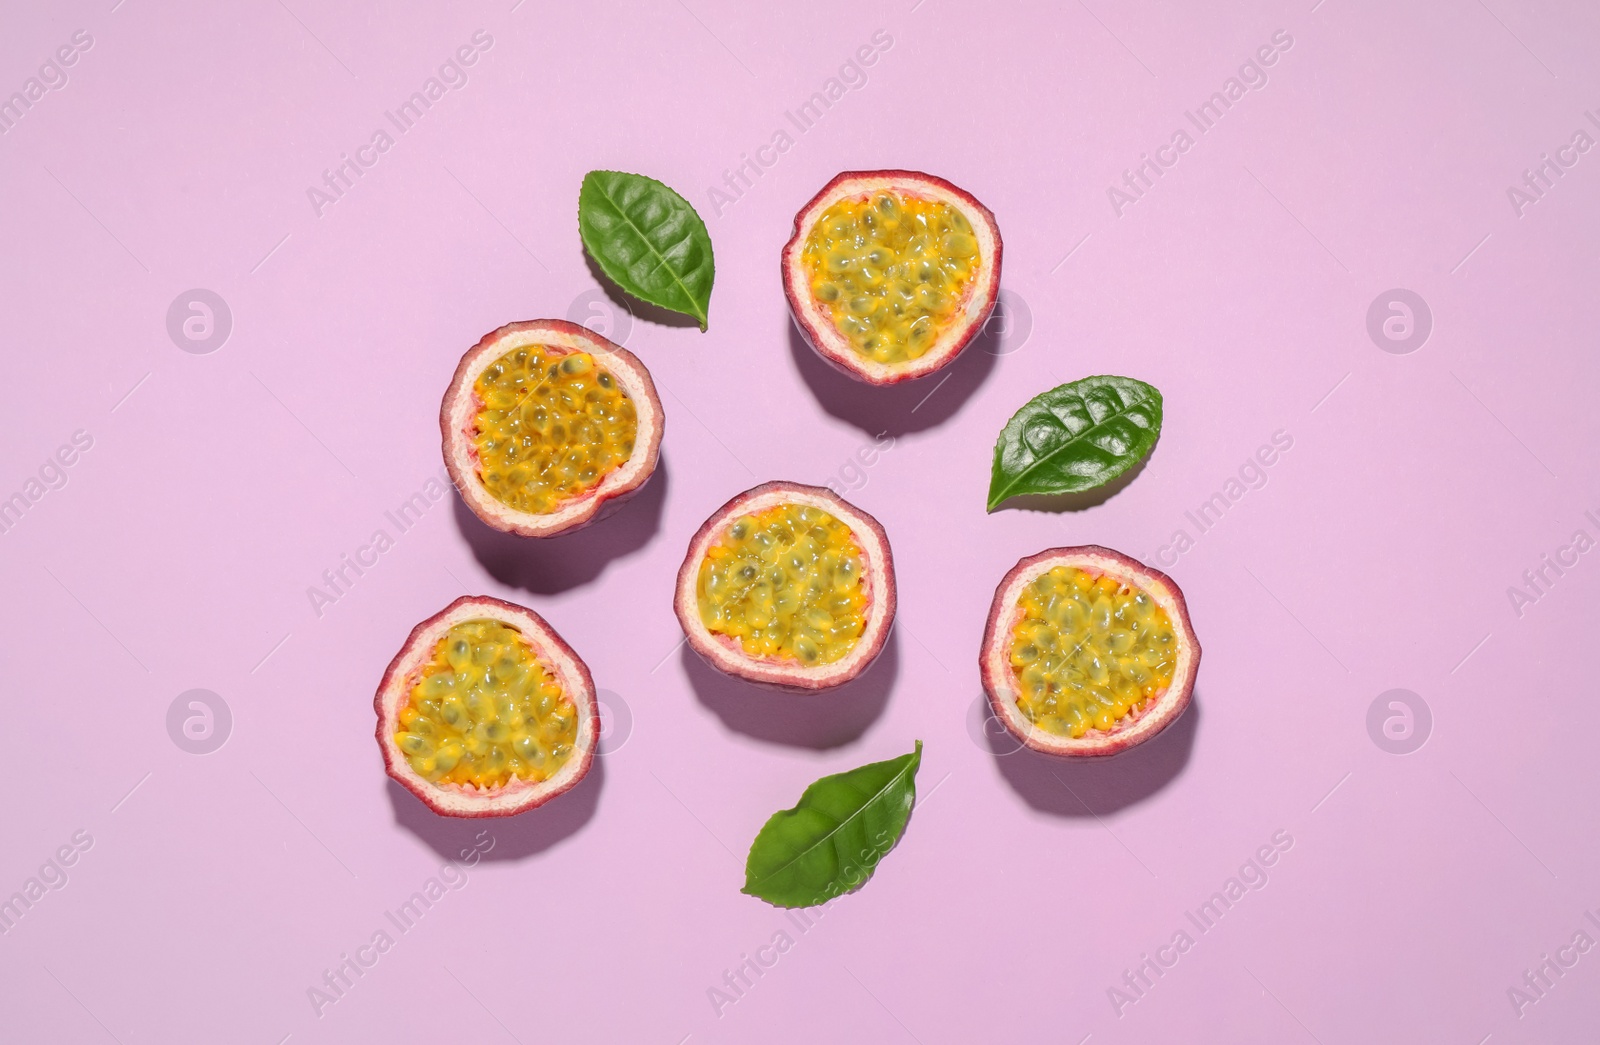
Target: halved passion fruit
788,586
548,426
485,711
1087,652
890,274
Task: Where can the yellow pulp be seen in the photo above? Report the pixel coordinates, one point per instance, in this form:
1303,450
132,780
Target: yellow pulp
1088,651
786,582
891,270
551,426
486,711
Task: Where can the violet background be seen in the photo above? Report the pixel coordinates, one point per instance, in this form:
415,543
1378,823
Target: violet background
219,888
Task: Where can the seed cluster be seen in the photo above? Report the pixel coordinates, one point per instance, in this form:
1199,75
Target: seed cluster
1088,651
551,426
891,270
486,711
786,582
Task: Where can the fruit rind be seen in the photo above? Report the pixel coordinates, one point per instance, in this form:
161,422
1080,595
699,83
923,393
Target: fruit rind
1000,682
814,322
458,419
394,692
723,652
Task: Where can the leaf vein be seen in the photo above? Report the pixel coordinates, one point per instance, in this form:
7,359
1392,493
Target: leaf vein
694,304
830,836
1136,408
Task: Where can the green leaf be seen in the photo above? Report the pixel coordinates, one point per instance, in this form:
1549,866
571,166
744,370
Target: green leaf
830,842
1075,437
648,240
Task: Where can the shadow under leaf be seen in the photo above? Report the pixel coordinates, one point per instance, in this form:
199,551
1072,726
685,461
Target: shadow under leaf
639,308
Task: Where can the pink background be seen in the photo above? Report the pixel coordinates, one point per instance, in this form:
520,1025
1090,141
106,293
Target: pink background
219,888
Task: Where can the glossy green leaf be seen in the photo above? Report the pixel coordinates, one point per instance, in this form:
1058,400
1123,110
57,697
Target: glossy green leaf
648,240
829,843
1075,437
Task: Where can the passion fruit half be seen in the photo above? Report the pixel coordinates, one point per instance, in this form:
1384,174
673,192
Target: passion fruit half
890,274
485,711
1087,652
548,426
788,586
